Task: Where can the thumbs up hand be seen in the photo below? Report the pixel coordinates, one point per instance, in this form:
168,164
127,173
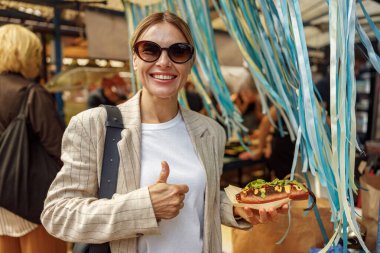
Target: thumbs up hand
167,199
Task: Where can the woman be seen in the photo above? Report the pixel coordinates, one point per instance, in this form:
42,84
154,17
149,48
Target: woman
20,60
168,197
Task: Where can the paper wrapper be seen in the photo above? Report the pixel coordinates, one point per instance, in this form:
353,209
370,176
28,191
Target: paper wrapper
231,192
370,192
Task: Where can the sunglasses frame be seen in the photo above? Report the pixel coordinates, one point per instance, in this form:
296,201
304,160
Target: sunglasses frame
135,49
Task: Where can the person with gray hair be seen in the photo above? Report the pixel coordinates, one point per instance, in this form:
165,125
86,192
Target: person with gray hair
20,60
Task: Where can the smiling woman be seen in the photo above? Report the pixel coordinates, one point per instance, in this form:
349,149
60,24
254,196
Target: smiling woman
156,205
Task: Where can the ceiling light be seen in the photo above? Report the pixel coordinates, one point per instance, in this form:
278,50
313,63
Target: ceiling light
29,11
116,64
101,63
67,61
82,62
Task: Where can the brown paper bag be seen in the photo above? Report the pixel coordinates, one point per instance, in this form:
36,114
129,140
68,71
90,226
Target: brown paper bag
370,207
304,232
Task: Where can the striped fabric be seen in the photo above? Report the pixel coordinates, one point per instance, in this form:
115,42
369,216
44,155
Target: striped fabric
13,225
74,213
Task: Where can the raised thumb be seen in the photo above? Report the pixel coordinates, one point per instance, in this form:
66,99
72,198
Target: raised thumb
164,172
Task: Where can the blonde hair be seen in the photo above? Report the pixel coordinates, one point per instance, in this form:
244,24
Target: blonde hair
161,17
19,47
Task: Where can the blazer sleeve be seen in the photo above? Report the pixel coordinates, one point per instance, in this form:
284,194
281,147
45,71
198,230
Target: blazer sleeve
72,211
226,207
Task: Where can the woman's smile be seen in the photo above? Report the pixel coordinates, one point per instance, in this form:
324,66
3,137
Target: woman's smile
163,77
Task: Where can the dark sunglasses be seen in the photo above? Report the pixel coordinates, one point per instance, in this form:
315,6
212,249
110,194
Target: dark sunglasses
149,51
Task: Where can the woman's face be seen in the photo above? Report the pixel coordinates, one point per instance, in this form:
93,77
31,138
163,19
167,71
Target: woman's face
162,78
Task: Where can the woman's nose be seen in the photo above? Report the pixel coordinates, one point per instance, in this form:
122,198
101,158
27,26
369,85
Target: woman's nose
164,60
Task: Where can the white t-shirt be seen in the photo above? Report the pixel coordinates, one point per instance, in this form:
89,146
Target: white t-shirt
171,142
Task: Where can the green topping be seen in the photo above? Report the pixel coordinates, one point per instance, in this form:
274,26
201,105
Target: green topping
262,195
260,183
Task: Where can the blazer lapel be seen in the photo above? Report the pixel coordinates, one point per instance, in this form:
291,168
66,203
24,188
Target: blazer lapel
204,143
130,146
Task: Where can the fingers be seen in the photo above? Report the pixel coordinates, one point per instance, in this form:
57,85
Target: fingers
251,216
182,188
179,201
263,216
164,172
272,214
173,208
284,209
181,197
163,178
260,217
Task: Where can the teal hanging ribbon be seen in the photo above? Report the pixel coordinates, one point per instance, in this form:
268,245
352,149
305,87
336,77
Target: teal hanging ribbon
197,15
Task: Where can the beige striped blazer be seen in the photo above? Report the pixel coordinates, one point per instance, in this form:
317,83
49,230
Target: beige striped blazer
72,210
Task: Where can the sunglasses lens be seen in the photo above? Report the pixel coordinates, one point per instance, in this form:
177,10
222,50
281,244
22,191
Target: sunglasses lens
148,51
180,52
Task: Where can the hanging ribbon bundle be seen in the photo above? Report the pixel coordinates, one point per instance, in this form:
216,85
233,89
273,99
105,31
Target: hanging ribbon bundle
278,48
276,54
275,50
197,15
342,107
264,56
278,60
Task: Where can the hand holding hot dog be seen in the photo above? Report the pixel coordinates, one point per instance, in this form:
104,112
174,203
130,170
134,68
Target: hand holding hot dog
260,216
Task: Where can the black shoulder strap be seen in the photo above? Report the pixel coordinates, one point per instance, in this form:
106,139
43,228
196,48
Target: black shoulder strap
111,159
24,106
110,165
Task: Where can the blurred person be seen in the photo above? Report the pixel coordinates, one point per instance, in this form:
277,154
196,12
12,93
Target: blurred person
113,91
193,98
249,105
168,188
279,151
276,148
20,61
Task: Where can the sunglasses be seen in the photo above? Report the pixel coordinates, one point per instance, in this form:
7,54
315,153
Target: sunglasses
149,51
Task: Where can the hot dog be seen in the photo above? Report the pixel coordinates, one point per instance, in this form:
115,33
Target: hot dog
260,192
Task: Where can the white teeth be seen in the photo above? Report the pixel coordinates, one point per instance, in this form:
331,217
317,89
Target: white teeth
163,77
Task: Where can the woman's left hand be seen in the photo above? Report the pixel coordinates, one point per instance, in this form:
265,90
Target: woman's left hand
260,216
